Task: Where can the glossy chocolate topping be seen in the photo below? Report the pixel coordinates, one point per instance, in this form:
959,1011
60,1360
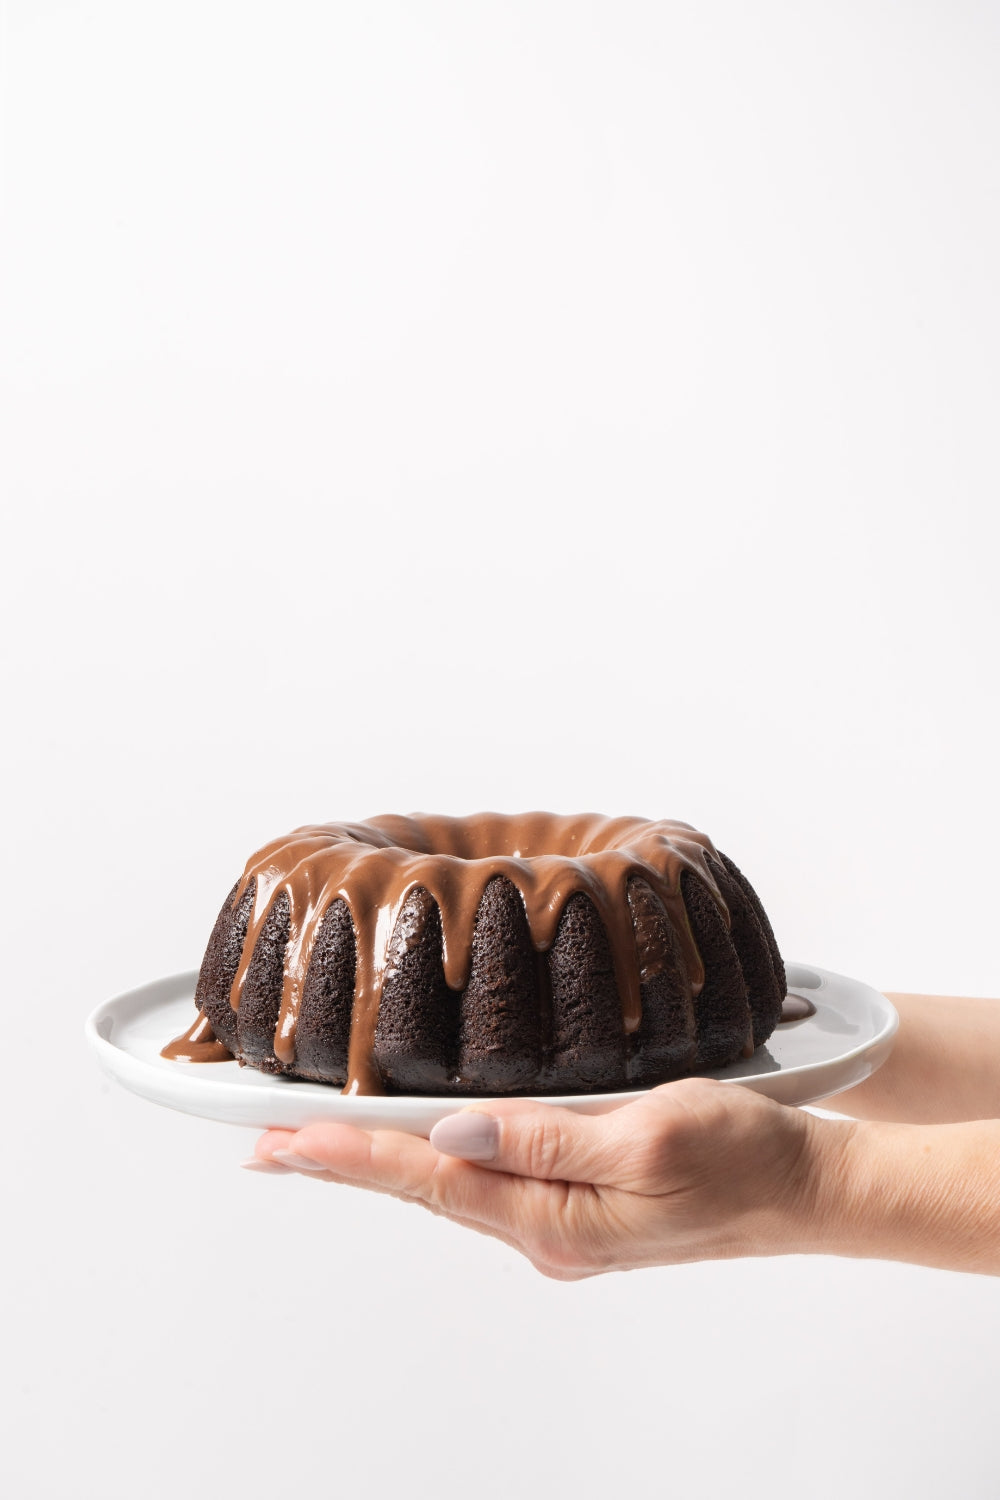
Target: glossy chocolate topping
198,1044
796,1008
373,867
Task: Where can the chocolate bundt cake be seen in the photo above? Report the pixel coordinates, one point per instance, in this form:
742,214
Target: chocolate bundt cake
488,955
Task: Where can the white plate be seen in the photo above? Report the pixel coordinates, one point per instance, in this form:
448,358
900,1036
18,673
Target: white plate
850,1035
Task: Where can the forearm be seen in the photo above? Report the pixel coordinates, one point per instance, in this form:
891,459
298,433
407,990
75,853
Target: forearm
927,1194
944,1067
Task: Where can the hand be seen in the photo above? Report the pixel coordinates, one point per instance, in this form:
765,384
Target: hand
693,1170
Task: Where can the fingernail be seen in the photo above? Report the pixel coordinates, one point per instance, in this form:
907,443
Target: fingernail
472,1135
303,1163
257,1164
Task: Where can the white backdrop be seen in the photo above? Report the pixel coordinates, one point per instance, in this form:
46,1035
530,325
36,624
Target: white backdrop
459,406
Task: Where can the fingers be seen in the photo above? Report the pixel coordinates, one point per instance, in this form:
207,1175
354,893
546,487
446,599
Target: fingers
532,1140
630,1148
517,1137
388,1159
406,1166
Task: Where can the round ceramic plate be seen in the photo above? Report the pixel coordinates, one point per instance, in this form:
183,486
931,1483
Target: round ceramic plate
849,1036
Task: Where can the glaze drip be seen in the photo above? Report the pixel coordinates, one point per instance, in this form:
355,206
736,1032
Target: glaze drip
374,866
796,1008
198,1045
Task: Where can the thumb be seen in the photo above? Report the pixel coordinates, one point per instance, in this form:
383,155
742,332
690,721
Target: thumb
530,1139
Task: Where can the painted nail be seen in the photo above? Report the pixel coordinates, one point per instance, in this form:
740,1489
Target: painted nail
303,1163
257,1164
472,1135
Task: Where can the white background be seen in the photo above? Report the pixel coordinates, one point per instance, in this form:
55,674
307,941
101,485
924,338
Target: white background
452,406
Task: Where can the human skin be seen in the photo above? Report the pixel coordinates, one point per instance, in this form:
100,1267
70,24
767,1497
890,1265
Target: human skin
944,1067
703,1170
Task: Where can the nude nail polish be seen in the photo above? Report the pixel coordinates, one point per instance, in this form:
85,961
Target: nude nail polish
302,1163
472,1135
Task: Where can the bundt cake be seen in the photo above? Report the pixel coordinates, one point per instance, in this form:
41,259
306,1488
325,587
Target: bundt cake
488,955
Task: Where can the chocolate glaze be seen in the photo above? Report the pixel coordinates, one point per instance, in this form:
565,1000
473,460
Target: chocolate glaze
374,866
198,1044
795,1008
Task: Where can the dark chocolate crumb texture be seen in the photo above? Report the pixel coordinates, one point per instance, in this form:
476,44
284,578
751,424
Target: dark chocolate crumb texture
488,955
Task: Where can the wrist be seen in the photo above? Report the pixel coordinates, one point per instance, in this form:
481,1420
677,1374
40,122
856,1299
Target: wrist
917,1193
824,1197
880,1194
